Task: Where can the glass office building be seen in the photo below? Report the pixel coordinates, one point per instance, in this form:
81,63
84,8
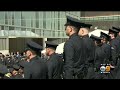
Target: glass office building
49,24
16,27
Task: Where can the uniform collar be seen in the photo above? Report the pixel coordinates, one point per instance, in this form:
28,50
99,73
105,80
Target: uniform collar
85,36
104,44
34,58
52,54
113,39
75,34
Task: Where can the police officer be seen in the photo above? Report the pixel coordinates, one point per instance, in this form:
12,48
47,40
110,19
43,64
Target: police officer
89,50
118,36
114,42
118,61
118,29
99,57
54,63
106,46
73,50
107,51
36,68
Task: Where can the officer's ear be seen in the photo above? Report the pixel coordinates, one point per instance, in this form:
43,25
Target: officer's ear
29,52
82,30
71,29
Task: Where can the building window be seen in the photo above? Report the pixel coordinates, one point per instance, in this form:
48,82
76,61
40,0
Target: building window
6,18
11,28
44,20
37,19
23,29
33,30
2,27
23,21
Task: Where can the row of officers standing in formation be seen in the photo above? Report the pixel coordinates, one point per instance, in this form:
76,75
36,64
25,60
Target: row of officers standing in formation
81,59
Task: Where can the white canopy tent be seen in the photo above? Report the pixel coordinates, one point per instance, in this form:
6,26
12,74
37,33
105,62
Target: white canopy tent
97,32
60,48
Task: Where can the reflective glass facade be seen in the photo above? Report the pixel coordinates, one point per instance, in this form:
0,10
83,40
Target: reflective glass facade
42,24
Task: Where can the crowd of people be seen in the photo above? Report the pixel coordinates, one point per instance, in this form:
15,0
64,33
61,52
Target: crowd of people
81,59
11,65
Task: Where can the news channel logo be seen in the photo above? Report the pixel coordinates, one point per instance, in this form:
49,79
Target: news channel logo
105,68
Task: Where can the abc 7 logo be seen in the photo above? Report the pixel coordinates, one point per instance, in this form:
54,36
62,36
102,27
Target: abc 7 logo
105,68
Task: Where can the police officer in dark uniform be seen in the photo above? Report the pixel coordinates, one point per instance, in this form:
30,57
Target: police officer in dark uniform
99,57
73,50
54,63
107,51
89,50
36,68
118,36
118,29
114,42
106,46
118,60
